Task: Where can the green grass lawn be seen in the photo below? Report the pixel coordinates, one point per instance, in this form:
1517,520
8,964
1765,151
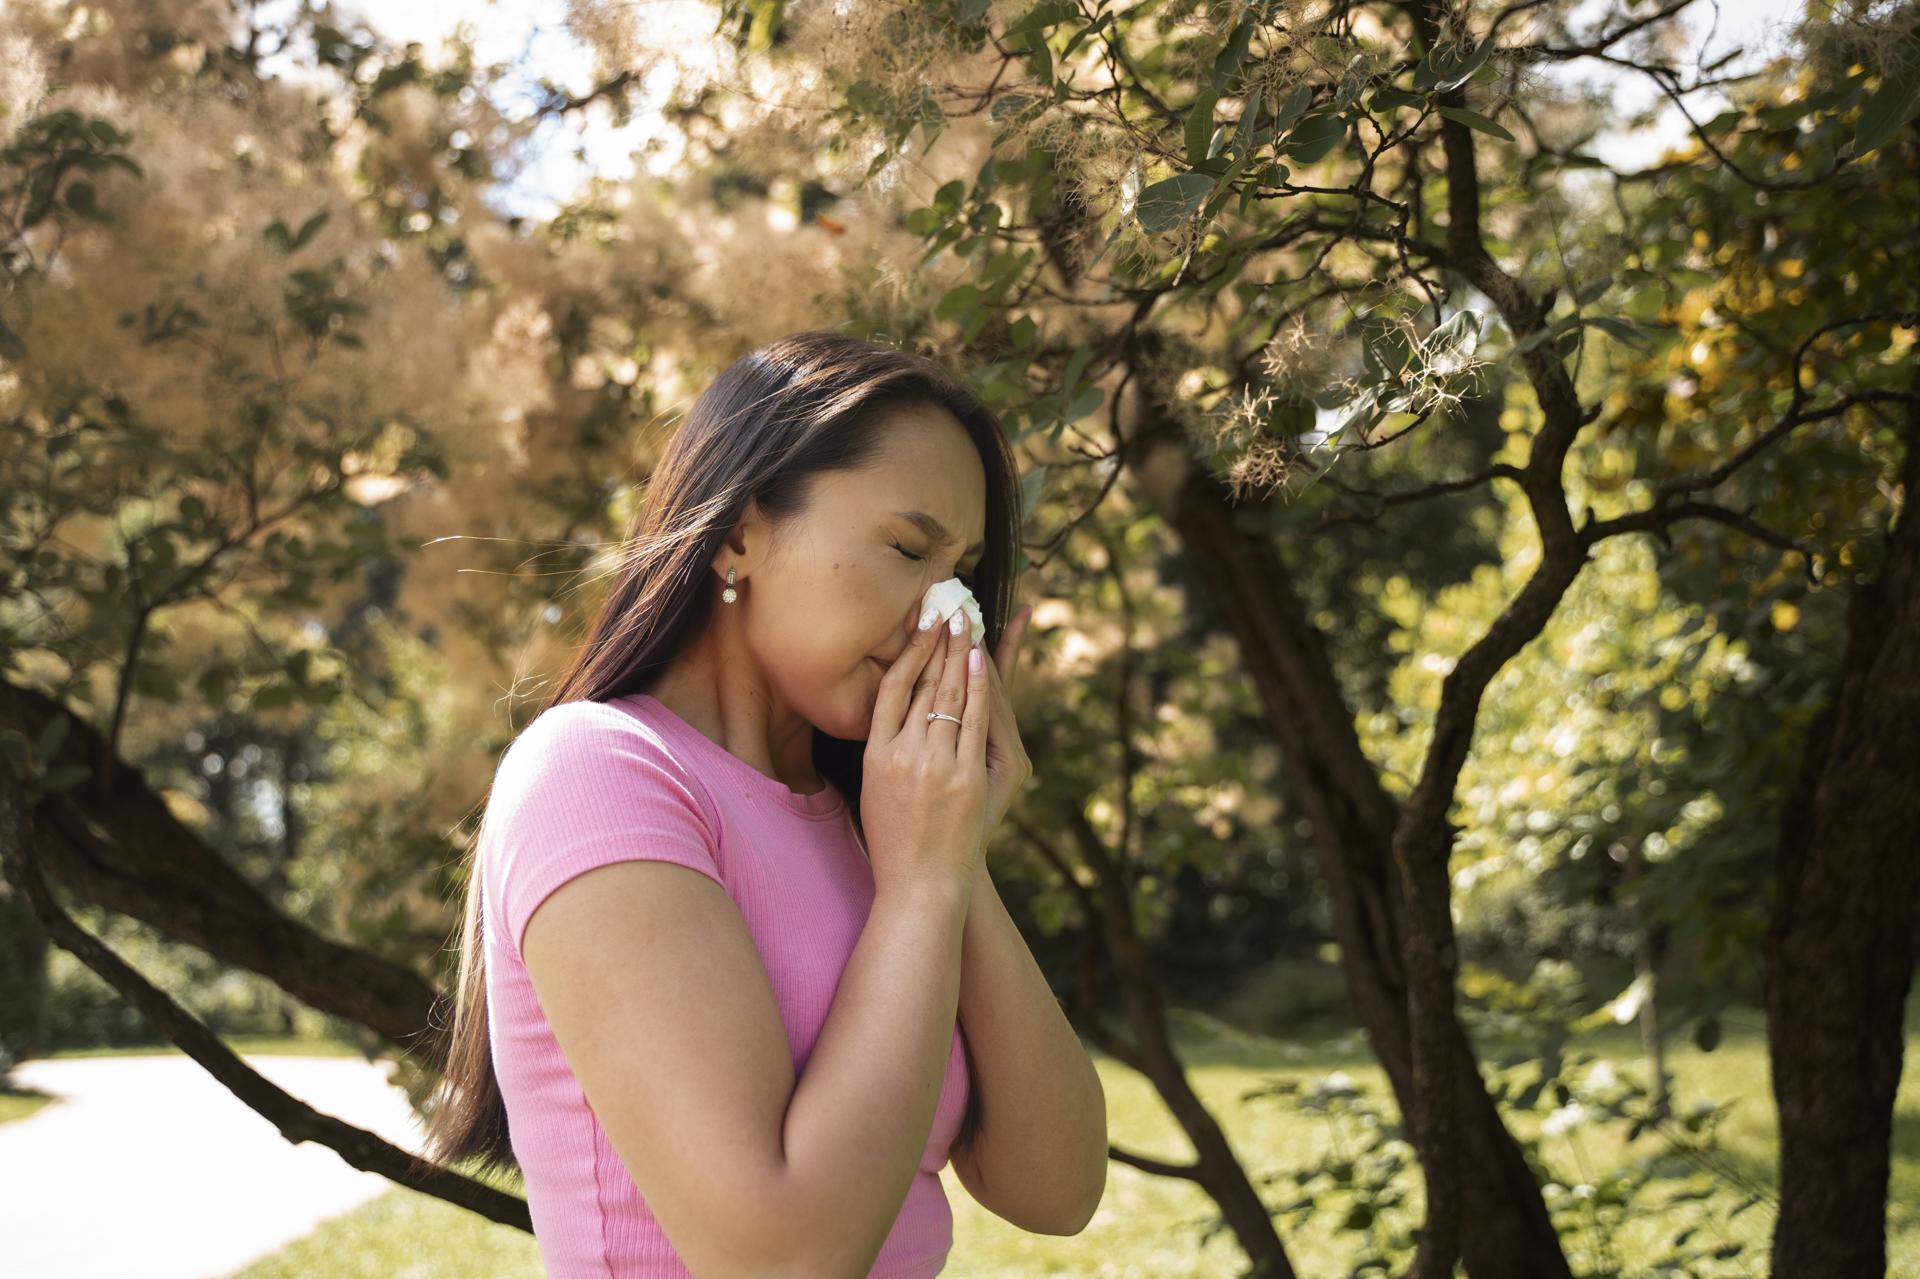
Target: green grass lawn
1151,1226
19,1103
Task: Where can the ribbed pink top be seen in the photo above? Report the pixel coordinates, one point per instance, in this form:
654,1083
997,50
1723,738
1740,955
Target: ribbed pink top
590,783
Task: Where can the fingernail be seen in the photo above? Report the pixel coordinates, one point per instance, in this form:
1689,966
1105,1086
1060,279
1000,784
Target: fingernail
927,617
955,622
975,659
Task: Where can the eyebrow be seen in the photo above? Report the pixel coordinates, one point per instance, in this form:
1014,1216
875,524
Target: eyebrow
936,530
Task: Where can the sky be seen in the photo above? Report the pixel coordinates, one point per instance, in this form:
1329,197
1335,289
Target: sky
533,34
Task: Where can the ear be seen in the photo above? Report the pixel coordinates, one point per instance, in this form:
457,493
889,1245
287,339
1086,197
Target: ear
745,542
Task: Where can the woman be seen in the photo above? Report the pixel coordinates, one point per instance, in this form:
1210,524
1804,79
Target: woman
732,1072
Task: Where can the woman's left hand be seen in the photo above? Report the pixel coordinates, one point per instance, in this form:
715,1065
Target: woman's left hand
1008,767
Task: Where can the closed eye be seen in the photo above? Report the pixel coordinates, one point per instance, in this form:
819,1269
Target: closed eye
966,579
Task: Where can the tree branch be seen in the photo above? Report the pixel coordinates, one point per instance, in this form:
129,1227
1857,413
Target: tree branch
296,1121
1189,1172
1658,519
1379,502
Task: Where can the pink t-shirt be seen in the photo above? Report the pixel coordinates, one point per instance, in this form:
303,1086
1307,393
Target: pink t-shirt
589,783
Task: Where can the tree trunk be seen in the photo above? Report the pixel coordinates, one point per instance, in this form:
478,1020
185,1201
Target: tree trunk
1840,944
1507,1232
23,982
1649,949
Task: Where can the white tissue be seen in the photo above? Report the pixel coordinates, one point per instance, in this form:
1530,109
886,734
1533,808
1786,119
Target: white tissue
951,594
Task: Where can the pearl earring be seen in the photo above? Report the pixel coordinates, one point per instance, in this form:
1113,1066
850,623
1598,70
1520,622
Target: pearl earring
729,595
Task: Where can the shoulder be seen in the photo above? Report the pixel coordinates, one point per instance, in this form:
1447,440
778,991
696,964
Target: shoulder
585,733
585,785
580,719
599,753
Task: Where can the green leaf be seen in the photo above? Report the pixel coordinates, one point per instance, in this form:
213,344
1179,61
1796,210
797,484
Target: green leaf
215,684
1200,125
983,180
1451,67
765,14
1076,365
1358,415
868,97
1224,190
307,228
1089,399
1009,106
39,197
958,300
13,745
1387,346
1030,485
1890,106
1086,32
1450,346
1048,13
1274,175
65,777
1474,120
1621,330
1040,59
51,736
1296,104
1166,202
1388,98
1249,116
1313,137
1231,56
82,200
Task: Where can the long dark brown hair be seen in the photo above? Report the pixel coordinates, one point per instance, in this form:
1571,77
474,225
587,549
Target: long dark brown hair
801,406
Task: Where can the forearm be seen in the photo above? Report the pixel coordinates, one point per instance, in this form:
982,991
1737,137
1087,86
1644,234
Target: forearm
862,1110
1041,1152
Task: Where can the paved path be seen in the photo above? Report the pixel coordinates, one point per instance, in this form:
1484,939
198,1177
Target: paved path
150,1167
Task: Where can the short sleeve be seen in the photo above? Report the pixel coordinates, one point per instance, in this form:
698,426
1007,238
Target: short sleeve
585,785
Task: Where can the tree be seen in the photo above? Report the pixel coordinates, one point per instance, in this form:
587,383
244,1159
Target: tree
1265,246
1181,137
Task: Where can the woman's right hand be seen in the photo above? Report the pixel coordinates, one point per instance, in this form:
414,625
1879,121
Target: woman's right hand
923,789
